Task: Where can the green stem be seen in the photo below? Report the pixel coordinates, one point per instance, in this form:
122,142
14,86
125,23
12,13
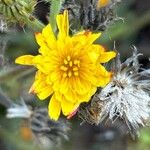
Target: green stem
35,24
54,11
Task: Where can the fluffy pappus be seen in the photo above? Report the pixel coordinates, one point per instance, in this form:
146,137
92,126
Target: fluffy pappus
125,99
127,95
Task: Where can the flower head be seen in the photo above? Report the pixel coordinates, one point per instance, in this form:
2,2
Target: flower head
103,3
127,95
44,130
69,67
17,11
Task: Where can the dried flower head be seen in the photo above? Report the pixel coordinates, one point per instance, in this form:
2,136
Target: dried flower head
91,112
125,98
94,15
46,132
69,67
127,95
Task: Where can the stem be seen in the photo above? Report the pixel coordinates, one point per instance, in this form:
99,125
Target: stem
35,24
54,11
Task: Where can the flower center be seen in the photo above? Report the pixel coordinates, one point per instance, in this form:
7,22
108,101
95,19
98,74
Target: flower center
70,67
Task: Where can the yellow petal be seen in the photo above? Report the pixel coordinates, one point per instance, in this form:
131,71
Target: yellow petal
39,38
44,50
101,48
67,107
25,60
93,37
106,56
81,86
64,86
48,34
86,37
87,97
45,92
54,76
89,76
37,61
101,70
56,85
58,96
71,96
63,24
94,53
103,76
46,40
103,81
40,62
40,86
54,108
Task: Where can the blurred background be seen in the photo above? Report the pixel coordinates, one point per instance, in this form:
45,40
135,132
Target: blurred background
131,28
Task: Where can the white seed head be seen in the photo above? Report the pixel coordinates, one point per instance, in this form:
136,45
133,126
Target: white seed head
127,95
19,111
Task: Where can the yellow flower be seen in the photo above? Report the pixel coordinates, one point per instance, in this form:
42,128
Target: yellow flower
69,67
103,3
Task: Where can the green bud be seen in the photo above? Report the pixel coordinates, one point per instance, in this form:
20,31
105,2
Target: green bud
17,10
